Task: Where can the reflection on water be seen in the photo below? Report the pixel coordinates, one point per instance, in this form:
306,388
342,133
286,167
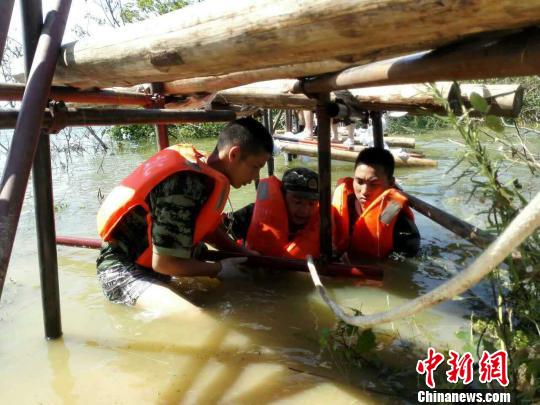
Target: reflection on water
256,341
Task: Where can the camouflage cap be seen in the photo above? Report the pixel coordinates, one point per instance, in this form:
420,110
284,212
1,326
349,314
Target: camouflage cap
303,182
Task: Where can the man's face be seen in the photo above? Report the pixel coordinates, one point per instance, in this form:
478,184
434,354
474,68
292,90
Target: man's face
244,169
299,209
369,183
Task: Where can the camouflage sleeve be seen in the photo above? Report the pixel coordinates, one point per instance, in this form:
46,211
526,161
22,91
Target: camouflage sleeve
237,222
175,204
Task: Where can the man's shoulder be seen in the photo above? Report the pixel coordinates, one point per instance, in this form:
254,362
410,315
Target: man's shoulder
192,183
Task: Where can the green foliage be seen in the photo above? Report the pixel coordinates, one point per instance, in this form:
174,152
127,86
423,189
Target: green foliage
514,323
140,134
196,131
143,9
133,133
415,123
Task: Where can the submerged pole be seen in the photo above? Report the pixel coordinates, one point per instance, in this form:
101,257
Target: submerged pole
6,9
27,130
43,194
323,137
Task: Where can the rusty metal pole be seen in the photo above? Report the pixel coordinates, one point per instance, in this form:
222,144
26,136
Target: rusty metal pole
270,162
378,133
6,9
323,138
288,120
161,130
28,129
43,194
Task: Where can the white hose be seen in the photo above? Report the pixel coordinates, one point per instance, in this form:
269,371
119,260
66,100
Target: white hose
519,229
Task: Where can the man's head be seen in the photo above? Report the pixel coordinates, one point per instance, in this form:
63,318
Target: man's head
373,174
244,146
301,190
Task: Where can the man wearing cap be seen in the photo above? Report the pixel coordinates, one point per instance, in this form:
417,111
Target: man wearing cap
284,220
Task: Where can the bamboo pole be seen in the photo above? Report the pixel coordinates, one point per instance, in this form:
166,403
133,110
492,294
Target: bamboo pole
89,117
396,141
350,156
505,100
517,54
215,38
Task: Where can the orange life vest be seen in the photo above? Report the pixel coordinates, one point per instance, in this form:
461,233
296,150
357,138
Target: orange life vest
373,231
134,189
268,231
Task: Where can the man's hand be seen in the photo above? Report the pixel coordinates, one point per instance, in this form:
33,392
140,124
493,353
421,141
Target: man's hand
229,268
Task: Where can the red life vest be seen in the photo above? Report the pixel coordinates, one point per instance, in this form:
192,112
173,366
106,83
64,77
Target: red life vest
134,189
373,231
268,231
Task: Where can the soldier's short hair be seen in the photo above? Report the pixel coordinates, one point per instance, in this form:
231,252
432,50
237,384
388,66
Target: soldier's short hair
377,157
247,133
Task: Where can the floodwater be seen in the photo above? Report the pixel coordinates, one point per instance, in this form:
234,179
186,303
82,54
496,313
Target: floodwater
257,340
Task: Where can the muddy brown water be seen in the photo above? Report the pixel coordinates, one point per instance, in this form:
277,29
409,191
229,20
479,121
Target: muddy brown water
257,340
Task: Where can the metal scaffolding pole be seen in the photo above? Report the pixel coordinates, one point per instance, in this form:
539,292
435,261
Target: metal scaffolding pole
161,130
6,9
378,133
84,117
323,137
28,127
14,92
270,162
43,194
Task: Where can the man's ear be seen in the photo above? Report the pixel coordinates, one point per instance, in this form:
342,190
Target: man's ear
234,153
392,181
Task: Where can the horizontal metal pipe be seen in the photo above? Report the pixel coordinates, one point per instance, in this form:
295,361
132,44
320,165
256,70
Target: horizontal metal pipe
109,116
517,54
332,269
14,92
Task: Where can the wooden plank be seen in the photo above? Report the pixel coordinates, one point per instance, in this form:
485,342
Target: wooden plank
216,38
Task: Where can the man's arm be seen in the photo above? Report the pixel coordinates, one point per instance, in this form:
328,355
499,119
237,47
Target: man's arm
175,266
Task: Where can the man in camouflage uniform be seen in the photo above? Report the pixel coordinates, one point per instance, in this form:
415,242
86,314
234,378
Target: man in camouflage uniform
243,148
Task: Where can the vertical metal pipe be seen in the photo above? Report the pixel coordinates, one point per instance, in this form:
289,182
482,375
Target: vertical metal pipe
6,9
32,18
323,137
46,237
162,135
378,135
288,120
27,130
270,163
161,130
